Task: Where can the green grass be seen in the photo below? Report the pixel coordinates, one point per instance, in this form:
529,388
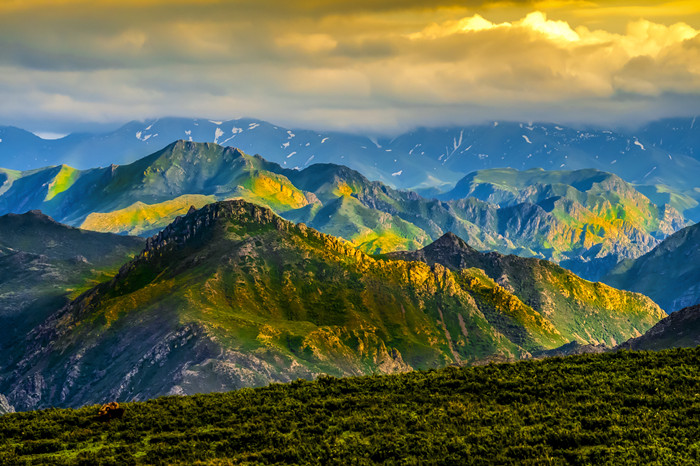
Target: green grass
617,408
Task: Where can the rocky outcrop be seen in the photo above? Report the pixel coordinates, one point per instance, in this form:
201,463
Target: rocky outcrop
5,406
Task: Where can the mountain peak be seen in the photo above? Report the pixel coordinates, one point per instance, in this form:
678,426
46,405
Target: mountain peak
34,215
199,221
450,241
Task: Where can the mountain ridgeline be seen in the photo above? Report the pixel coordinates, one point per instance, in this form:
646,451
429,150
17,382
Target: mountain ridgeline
662,157
232,295
586,220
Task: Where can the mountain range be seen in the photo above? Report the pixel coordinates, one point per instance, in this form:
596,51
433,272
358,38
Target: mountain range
661,158
232,295
587,220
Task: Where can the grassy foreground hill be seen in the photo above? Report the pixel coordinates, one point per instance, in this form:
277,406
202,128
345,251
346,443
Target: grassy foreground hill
615,408
231,295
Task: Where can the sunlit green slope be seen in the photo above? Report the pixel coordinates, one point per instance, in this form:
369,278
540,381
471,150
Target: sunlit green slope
232,295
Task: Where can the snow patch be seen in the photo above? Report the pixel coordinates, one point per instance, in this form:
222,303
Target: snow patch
375,142
253,125
291,154
527,139
398,173
217,123
285,145
613,162
308,161
650,172
455,143
291,135
495,123
141,137
324,140
188,132
637,143
217,134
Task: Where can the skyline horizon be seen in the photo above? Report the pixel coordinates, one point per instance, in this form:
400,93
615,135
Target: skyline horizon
100,128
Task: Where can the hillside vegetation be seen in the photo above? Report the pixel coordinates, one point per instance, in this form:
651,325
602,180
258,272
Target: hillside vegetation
233,296
615,408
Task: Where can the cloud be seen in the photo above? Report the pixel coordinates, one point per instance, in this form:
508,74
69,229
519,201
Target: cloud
380,65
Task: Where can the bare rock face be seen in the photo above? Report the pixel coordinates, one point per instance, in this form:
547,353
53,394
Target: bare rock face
5,406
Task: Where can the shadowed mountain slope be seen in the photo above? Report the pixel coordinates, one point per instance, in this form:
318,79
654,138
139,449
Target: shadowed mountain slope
681,329
669,274
44,264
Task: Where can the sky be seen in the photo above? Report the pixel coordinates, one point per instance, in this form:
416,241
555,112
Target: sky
364,65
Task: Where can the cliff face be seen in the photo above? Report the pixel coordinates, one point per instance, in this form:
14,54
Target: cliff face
231,295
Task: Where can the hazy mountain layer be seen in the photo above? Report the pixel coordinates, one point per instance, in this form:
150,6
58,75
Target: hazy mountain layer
663,156
232,295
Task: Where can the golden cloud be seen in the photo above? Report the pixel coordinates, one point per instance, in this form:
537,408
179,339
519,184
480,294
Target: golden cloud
397,61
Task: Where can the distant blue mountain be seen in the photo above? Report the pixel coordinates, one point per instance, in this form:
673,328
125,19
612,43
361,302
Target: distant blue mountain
661,158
